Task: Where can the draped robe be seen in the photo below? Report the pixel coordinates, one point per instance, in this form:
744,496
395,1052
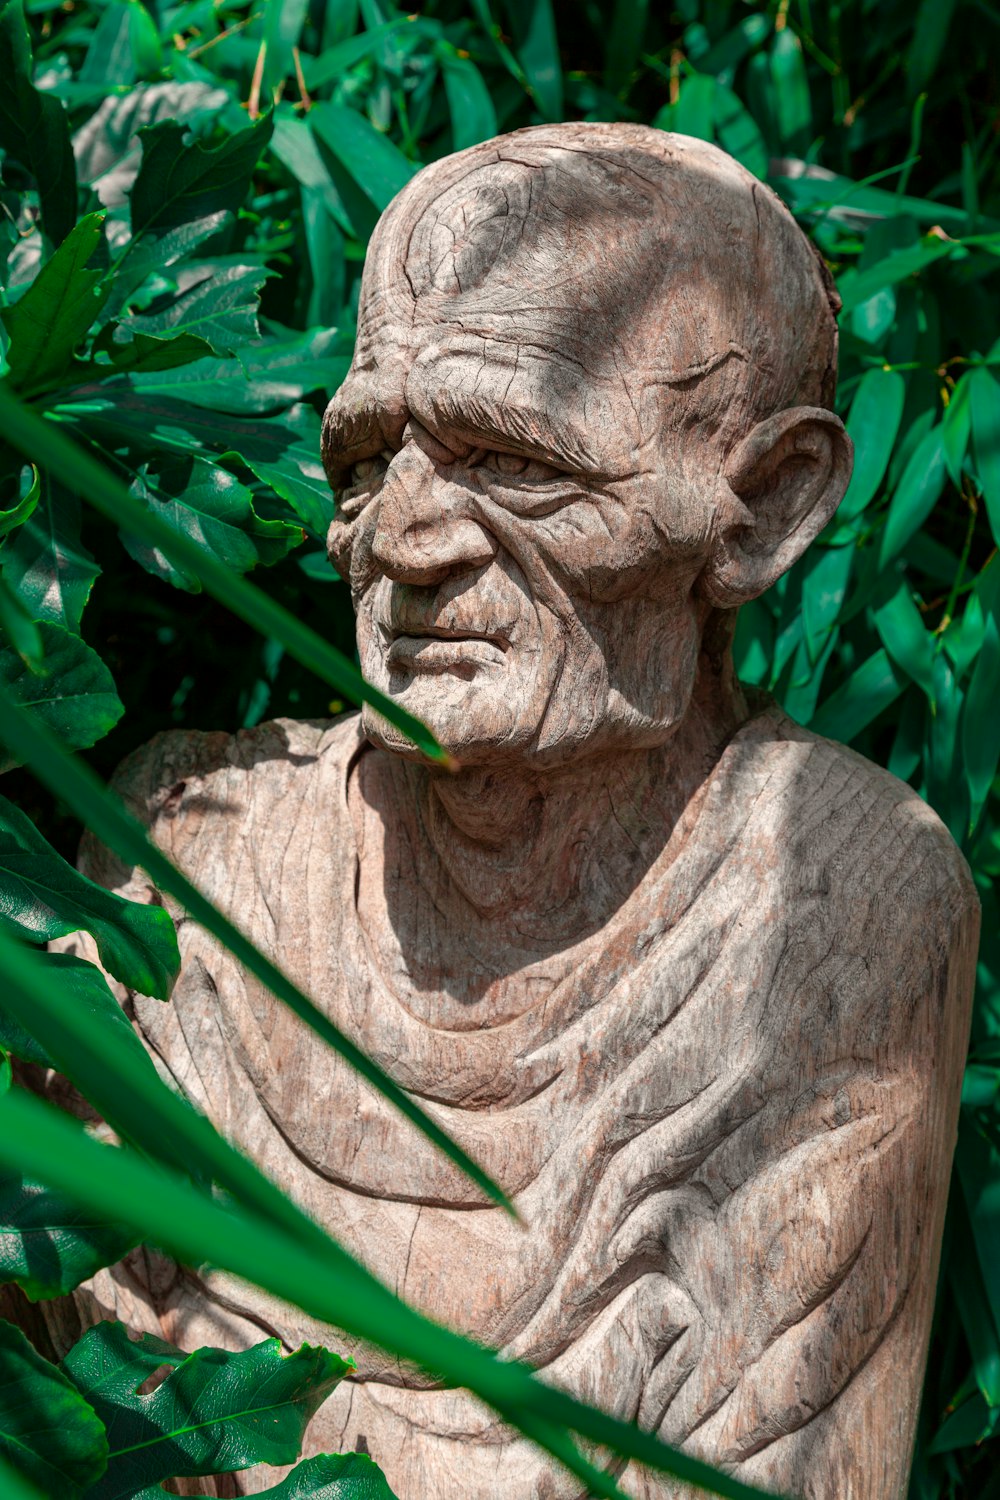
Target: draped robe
727,1127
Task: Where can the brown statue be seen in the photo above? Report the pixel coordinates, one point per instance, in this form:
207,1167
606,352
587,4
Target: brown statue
692,983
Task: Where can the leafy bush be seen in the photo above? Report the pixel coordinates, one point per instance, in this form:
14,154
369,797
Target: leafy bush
187,192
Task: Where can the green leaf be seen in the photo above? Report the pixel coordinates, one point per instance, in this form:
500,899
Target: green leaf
906,639
473,117
216,300
981,722
624,42
45,562
369,158
48,1433
868,690
265,376
45,898
792,104
30,490
34,129
333,62
147,354
332,1476
857,287
125,46
215,1412
985,400
72,691
180,184
537,49
56,311
107,147
48,1243
823,594
323,1281
18,629
872,423
738,132
929,36
915,495
956,426
15,1486
211,507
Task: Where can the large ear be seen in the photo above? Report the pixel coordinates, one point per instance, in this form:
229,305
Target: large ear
781,485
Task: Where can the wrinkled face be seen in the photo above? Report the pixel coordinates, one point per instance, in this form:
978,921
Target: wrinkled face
522,554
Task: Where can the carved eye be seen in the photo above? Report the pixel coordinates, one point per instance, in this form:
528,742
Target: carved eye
367,470
514,464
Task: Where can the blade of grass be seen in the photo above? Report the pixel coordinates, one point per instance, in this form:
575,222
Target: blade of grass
85,475
330,1286
101,811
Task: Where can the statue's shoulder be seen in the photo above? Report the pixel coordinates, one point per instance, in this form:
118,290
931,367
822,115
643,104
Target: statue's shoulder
851,828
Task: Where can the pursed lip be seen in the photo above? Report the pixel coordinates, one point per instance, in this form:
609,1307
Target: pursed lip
438,648
444,633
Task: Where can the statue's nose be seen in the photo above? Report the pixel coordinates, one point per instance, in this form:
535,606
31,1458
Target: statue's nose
424,533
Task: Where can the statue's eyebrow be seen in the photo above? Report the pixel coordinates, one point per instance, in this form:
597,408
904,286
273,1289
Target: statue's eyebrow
481,421
351,431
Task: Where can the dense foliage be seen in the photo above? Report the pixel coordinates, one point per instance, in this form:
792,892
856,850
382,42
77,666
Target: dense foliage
187,191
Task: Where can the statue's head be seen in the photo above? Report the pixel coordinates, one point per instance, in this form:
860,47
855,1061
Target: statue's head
588,410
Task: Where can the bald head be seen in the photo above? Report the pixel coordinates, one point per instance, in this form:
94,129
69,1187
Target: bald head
578,256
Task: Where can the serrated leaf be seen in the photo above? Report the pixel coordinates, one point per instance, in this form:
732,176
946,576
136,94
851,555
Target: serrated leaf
48,1432
145,354
47,565
216,300
45,898
263,377
369,158
212,507
34,128
215,1412
332,1476
73,693
107,148
56,311
179,184
48,1244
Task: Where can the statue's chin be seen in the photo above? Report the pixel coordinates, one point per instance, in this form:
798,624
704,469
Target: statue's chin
477,724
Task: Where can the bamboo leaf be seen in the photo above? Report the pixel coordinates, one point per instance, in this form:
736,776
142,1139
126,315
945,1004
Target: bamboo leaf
872,423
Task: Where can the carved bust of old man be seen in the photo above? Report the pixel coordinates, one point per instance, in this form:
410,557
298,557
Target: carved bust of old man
689,981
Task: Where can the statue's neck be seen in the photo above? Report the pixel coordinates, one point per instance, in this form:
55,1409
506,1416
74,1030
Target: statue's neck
551,853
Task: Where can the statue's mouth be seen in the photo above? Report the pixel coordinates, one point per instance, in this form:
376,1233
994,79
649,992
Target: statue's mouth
438,649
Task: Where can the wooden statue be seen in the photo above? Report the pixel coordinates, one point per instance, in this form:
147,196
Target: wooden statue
692,983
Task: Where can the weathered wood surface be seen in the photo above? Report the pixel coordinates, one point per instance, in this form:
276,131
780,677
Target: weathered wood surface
692,983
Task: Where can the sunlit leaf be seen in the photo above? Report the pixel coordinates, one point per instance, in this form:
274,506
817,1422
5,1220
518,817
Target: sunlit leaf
69,689
181,183
58,308
48,1432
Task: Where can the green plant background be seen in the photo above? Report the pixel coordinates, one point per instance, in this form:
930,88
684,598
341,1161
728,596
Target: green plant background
186,310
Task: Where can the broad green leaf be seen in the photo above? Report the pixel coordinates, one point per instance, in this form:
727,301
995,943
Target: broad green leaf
907,640
534,30
624,43
146,354
981,721
48,1243
317,565
369,158
45,898
263,377
873,422
23,509
18,631
55,313
125,46
929,36
216,300
855,703
107,147
473,117
694,112
725,55
215,1412
792,104
48,1433
72,691
333,1476
857,287
211,507
181,184
323,1281
914,496
968,1426
45,562
738,132
16,1487
34,129
147,260
985,400
956,429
